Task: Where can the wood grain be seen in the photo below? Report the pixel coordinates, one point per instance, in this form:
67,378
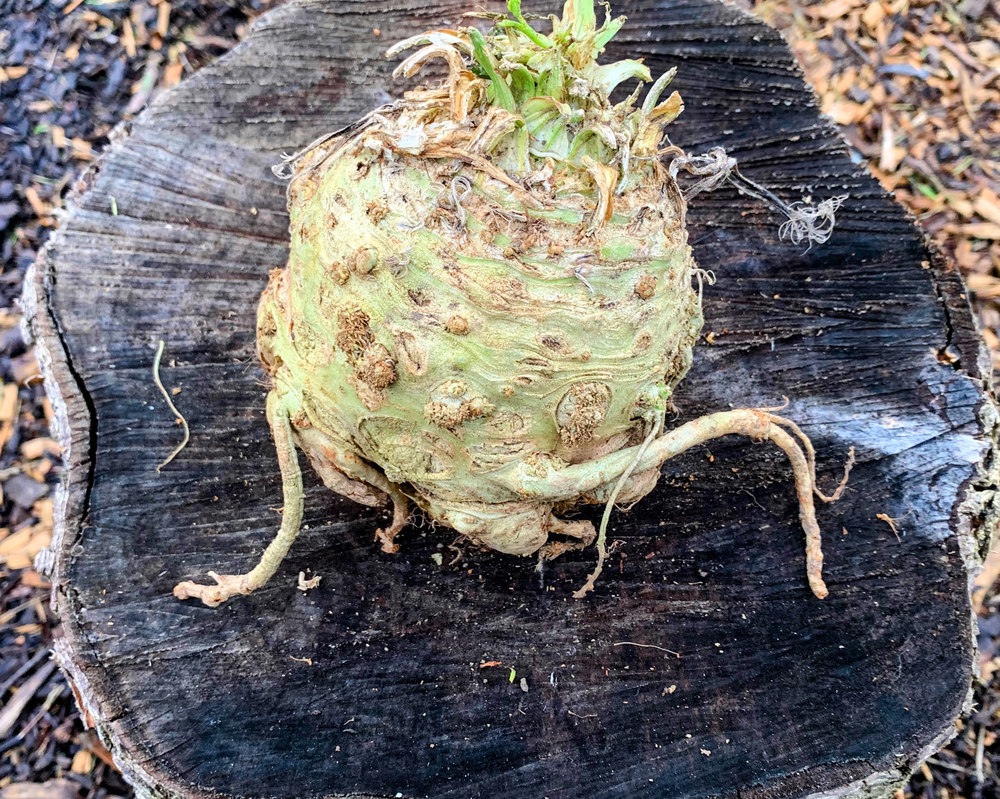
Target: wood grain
372,685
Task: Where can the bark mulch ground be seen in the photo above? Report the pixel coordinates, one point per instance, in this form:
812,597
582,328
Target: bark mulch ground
915,87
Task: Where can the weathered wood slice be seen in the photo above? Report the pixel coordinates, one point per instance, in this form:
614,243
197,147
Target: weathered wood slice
377,683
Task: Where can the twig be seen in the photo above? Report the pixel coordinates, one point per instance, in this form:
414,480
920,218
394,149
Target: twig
53,695
39,656
17,703
170,404
885,517
647,646
980,743
752,497
6,474
8,615
949,766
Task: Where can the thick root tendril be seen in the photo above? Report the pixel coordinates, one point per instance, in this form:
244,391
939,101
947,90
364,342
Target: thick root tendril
580,535
400,515
230,585
226,586
758,425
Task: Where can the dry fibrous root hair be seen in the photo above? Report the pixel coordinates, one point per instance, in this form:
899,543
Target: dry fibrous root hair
490,300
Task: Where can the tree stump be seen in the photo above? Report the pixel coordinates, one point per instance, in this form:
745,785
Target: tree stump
701,666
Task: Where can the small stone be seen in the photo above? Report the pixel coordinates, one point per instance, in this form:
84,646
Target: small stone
24,491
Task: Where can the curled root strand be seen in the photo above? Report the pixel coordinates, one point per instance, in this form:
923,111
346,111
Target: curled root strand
602,533
173,408
807,445
758,425
839,492
805,486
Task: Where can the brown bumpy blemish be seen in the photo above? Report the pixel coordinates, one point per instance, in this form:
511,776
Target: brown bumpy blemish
339,272
554,343
353,334
458,325
452,403
418,298
581,411
267,329
645,287
376,367
377,211
679,361
363,260
541,464
303,189
411,354
451,416
307,229
510,290
643,342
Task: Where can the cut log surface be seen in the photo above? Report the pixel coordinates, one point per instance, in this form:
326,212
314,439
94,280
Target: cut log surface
701,666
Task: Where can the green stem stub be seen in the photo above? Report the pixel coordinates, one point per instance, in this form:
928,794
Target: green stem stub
554,85
500,90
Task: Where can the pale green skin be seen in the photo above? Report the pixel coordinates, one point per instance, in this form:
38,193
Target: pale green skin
489,302
535,330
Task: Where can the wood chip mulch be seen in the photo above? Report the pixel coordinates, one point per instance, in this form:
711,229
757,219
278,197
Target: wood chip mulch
914,86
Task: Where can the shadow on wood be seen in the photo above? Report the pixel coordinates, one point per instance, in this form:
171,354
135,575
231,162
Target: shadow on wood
701,666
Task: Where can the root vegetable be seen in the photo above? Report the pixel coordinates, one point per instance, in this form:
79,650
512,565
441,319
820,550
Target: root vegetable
489,301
